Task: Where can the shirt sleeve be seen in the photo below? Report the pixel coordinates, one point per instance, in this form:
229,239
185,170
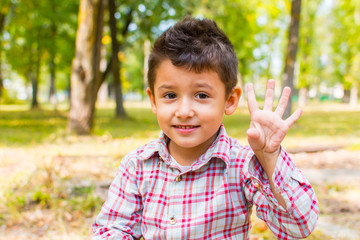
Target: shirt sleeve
120,216
299,218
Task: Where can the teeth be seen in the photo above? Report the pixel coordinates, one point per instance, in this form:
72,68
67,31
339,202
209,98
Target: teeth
184,127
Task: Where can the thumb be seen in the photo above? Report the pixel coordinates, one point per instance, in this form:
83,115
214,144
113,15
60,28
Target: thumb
253,133
254,139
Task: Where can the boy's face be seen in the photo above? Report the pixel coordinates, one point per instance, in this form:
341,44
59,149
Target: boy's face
190,106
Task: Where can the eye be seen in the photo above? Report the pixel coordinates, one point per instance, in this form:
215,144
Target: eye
170,95
202,95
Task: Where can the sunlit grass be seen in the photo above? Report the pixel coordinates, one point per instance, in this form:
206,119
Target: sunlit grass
140,122
19,126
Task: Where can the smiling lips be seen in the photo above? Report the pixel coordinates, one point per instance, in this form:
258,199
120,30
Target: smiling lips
186,128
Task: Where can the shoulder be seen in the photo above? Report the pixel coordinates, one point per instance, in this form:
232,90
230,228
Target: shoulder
232,147
239,152
236,147
138,155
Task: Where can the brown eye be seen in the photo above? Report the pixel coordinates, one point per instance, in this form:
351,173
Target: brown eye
170,95
202,95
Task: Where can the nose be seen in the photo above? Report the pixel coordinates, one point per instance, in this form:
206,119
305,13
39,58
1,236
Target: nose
185,109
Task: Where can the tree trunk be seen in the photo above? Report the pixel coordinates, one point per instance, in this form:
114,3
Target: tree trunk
85,74
35,74
302,97
2,23
354,95
1,75
293,39
346,97
52,97
34,85
120,111
52,65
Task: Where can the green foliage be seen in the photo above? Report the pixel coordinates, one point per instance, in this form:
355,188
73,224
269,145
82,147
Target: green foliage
148,20
310,49
345,49
254,28
133,69
41,34
41,196
7,98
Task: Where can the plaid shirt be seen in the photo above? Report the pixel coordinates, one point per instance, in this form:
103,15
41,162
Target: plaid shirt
213,199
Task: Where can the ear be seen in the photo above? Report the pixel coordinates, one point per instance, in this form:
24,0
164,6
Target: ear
232,100
152,100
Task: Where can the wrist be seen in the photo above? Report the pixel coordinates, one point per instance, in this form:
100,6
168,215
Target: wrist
268,161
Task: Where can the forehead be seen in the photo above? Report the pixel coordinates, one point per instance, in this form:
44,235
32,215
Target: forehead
169,74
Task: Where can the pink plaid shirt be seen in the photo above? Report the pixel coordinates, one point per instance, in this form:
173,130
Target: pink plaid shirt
213,199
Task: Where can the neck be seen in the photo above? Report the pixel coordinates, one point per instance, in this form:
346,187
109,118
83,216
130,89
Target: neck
187,156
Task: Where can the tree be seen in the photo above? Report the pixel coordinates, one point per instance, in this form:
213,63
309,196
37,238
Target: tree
42,38
291,50
2,23
346,49
26,40
5,6
244,41
255,28
310,49
114,62
137,21
86,76
59,30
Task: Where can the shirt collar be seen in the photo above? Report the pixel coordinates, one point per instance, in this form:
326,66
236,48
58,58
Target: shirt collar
220,148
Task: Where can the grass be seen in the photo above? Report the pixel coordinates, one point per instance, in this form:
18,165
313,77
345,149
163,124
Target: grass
48,174
26,128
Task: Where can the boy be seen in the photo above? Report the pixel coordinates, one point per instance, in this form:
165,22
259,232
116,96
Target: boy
195,182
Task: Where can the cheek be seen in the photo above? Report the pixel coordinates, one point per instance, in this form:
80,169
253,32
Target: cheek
212,110
164,111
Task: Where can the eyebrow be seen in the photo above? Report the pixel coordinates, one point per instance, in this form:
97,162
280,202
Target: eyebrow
204,85
165,86
198,85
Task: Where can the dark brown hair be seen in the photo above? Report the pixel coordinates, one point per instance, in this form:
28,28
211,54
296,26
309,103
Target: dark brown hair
196,45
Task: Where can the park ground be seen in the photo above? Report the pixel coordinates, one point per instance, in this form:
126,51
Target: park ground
52,184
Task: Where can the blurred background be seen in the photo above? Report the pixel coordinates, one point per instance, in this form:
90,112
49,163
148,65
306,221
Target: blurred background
72,100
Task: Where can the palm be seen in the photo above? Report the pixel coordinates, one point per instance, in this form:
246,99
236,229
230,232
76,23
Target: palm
267,128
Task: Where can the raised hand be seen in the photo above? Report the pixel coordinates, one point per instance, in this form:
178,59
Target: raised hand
267,128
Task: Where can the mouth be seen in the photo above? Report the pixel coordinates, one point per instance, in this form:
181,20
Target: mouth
186,126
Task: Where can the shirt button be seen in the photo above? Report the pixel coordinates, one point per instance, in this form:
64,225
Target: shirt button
172,220
257,186
178,178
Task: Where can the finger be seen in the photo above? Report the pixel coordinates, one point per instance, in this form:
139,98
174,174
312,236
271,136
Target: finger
283,102
255,138
269,96
253,133
251,98
293,117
